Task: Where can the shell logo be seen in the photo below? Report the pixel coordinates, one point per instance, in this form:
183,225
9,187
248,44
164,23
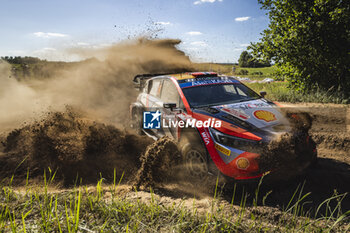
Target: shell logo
242,163
265,115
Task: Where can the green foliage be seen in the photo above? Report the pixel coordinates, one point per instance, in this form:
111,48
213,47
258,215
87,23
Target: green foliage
309,42
105,208
279,91
243,72
21,60
31,67
257,73
247,60
243,59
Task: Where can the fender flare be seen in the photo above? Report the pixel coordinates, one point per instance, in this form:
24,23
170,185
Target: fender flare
135,106
199,140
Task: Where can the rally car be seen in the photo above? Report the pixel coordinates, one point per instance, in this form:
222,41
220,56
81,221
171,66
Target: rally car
220,124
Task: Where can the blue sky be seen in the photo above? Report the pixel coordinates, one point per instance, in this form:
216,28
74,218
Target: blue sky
211,30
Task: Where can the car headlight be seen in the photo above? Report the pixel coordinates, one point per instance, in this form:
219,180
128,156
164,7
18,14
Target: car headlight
236,142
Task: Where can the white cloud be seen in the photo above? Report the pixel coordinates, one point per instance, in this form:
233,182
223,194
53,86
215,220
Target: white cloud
164,23
49,49
204,1
199,43
238,49
194,33
49,34
241,19
244,45
83,44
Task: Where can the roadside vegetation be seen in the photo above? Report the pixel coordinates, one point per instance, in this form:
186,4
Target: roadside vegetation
104,208
27,68
256,73
279,91
308,41
236,70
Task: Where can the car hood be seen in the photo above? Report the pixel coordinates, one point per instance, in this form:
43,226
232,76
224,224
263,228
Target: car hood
259,113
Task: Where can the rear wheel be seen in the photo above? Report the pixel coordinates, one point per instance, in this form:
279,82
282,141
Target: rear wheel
136,121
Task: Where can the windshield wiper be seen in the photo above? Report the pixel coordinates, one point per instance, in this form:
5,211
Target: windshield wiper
243,100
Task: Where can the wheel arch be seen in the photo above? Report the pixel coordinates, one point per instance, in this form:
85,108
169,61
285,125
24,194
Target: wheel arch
135,107
192,136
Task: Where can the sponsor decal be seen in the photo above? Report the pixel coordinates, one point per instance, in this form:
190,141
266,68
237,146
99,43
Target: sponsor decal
236,113
199,82
265,115
222,149
151,120
242,163
205,138
254,105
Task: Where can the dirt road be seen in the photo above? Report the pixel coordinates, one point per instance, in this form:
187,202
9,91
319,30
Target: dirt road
66,134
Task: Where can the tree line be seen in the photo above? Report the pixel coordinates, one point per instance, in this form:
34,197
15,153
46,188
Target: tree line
309,42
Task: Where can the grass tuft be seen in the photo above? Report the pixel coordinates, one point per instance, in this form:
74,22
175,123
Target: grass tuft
102,208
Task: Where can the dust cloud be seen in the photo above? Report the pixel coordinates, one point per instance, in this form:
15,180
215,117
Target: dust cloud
73,123
102,88
18,102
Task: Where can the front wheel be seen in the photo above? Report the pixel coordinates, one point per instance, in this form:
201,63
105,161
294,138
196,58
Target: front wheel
195,161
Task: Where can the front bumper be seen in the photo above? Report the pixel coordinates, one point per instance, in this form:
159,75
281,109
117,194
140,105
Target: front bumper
244,165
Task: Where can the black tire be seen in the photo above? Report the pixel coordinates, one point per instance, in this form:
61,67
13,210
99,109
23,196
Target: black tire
195,161
197,167
194,155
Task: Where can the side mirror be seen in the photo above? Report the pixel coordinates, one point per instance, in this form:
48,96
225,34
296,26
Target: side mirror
171,106
263,93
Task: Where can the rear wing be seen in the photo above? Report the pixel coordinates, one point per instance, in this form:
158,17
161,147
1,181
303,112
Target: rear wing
140,79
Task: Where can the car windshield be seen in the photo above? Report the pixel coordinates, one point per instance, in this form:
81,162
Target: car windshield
211,95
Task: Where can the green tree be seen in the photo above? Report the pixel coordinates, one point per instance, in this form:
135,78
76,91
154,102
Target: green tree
309,41
247,60
243,59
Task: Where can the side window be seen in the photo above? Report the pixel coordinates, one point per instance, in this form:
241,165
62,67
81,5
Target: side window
241,92
234,89
154,87
169,93
230,89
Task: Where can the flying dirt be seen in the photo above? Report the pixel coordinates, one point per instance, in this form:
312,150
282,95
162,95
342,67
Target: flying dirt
50,134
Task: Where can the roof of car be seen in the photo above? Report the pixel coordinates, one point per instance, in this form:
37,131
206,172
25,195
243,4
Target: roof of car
190,75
